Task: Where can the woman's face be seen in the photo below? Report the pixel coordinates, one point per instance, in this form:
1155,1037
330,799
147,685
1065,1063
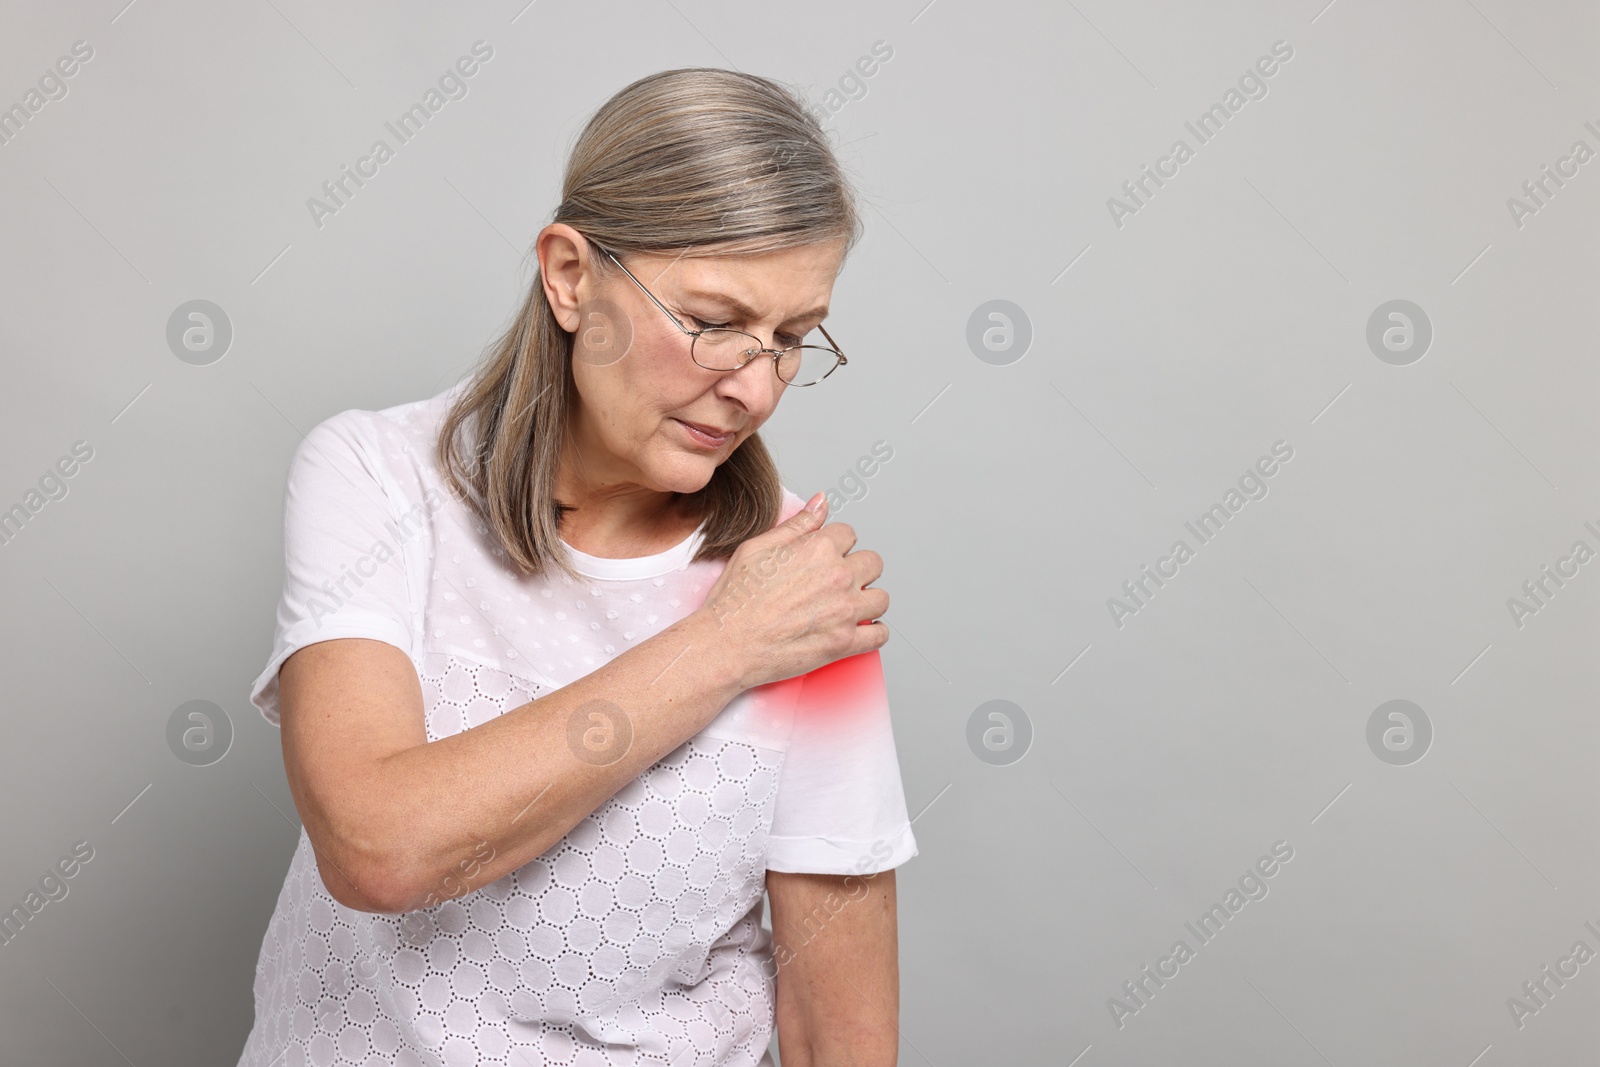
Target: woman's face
636,382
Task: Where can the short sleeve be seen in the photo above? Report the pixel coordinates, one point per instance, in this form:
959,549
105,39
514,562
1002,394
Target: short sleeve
344,569
841,808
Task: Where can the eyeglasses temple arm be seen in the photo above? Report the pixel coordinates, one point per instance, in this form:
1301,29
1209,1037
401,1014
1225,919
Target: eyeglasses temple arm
835,344
652,296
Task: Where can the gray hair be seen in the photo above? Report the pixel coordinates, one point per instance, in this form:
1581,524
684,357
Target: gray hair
693,162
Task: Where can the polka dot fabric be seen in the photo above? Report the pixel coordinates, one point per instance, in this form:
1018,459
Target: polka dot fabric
638,938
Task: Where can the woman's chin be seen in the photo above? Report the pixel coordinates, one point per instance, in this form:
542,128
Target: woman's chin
688,474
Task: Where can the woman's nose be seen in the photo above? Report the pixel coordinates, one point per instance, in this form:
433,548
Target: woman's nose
756,384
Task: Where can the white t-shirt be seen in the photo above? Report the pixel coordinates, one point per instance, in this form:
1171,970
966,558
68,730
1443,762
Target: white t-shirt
637,939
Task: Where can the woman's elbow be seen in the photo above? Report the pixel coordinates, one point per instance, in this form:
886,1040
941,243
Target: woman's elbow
365,888
362,879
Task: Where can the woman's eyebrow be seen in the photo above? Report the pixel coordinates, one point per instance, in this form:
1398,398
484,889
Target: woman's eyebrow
821,311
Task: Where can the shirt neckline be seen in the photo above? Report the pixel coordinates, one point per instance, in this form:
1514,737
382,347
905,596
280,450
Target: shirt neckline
675,558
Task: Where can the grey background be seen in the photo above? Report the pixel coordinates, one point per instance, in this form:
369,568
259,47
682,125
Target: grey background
1167,355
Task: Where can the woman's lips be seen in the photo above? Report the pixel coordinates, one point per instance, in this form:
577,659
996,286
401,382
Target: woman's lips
703,436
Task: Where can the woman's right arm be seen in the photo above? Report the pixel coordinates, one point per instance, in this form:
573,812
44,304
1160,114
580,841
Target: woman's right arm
396,820
400,823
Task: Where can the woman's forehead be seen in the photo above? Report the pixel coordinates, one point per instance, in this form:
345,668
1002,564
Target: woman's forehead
800,279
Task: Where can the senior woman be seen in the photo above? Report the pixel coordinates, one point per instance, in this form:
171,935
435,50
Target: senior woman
568,681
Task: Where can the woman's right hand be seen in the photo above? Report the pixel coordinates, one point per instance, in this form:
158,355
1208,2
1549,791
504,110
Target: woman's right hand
794,598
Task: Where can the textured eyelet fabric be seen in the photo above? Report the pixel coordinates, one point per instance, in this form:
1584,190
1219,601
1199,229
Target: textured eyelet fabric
636,939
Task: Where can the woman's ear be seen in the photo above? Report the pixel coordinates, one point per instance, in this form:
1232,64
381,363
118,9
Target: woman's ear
561,251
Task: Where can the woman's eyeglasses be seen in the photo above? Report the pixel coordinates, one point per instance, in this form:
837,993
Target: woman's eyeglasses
721,349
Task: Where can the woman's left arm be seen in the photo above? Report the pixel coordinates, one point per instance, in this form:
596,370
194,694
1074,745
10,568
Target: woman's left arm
838,985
